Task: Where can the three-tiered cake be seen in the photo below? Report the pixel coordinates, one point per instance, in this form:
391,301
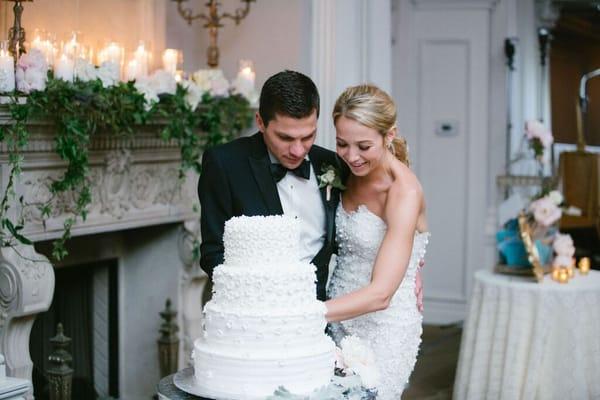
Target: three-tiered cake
264,327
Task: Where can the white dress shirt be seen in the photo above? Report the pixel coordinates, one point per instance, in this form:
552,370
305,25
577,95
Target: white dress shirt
301,198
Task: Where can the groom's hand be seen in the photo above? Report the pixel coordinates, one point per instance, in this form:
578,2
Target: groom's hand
419,287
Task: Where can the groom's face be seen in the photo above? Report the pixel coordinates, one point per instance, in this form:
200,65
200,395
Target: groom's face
289,139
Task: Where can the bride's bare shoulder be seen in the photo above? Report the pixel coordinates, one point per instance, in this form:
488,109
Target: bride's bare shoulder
405,182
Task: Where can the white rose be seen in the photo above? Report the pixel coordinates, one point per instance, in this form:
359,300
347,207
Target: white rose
563,245
143,86
545,212
33,59
360,359
562,261
30,80
108,73
328,177
163,82
219,87
193,94
556,197
84,70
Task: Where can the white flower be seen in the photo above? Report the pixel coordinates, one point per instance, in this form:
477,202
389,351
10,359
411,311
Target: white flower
563,245
562,261
328,177
556,197
31,72
212,80
536,130
144,86
108,73
545,212
245,88
30,80
360,359
163,82
193,94
34,59
84,70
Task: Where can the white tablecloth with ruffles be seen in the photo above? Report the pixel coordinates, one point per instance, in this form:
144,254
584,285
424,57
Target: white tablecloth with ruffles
524,340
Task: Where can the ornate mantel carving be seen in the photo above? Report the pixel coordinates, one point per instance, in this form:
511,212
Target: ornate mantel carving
26,289
134,182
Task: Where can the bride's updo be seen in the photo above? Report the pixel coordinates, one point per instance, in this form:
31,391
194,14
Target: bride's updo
372,107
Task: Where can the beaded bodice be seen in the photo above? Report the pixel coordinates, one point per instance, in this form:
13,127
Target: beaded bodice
394,334
359,234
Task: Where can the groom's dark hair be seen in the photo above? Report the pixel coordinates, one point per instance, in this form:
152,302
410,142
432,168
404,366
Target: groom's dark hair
288,93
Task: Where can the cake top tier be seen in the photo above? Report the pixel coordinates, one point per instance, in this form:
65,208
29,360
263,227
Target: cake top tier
261,240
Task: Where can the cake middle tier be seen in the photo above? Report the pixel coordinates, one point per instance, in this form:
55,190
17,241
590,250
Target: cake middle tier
264,287
264,335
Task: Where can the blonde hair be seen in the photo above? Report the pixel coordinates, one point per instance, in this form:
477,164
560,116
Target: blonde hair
372,107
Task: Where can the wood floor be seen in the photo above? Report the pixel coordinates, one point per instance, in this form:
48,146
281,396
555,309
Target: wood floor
433,377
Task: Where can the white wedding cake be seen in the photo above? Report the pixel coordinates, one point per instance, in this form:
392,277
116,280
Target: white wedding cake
264,327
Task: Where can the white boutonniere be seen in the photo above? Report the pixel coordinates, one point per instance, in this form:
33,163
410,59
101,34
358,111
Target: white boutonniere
330,178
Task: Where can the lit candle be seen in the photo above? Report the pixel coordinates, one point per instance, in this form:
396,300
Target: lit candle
178,76
7,71
170,59
142,57
584,266
46,47
246,77
112,52
132,70
563,275
64,68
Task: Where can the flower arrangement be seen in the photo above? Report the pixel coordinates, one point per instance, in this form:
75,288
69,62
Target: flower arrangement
357,358
542,215
96,100
540,138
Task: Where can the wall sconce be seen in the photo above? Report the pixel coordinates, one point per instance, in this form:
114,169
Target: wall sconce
213,21
16,34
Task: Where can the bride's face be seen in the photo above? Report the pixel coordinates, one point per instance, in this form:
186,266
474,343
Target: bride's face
362,148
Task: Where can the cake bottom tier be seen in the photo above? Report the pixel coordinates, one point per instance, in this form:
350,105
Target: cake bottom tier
223,376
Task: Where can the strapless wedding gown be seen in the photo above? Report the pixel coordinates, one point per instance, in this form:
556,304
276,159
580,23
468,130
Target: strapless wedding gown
394,334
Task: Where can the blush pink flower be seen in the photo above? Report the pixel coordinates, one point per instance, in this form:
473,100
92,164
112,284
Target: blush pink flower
545,211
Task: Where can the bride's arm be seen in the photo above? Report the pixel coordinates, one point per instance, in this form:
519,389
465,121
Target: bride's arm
401,214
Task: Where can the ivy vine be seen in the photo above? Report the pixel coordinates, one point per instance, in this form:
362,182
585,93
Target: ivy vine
79,110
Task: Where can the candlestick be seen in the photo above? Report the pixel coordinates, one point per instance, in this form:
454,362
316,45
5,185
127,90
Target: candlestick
64,68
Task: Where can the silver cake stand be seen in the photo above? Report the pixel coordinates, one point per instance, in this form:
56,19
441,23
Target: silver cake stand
180,386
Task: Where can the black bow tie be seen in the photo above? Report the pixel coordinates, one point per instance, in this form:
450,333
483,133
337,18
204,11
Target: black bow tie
278,171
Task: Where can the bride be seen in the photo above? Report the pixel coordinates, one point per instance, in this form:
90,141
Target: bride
381,230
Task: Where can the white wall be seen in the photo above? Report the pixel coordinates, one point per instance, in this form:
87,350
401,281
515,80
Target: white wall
275,35
441,69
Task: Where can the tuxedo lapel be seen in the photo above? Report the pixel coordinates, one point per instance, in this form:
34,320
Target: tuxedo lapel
317,164
259,164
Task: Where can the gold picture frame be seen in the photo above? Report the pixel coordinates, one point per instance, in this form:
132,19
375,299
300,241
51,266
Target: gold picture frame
533,256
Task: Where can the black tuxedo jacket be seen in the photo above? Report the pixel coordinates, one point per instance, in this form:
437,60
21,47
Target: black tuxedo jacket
236,180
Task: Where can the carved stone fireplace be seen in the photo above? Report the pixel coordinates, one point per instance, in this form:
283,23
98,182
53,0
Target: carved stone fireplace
141,217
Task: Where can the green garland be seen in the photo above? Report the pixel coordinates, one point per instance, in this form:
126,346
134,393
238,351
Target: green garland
80,110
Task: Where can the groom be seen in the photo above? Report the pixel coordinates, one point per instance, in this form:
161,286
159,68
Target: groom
273,172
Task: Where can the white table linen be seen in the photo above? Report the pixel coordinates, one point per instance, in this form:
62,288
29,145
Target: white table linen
524,340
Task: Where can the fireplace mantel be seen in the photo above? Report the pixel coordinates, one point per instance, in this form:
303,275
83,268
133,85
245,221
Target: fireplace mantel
134,182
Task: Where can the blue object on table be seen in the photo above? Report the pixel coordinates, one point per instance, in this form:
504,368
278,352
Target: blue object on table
512,249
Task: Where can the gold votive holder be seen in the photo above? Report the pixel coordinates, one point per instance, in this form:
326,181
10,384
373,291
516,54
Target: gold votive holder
584,265
563,275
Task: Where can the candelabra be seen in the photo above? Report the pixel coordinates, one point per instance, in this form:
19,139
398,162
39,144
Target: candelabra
16,34
213,21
